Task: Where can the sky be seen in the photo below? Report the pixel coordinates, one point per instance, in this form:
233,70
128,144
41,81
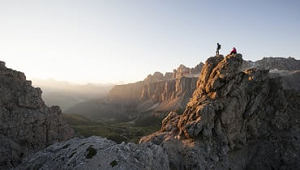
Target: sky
122,41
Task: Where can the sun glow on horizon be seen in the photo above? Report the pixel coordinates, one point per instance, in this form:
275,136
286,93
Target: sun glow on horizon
124,41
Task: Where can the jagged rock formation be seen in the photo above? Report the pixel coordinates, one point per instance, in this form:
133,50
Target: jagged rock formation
98,153
26,123
235,120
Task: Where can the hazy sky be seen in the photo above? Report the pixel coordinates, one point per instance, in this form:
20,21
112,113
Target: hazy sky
125,40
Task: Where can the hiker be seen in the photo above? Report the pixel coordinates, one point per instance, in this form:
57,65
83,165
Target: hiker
233,51
218,48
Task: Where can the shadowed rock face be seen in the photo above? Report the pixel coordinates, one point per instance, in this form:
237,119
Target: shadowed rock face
26,123
231,117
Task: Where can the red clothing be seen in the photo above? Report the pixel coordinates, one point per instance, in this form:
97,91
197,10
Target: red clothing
233,51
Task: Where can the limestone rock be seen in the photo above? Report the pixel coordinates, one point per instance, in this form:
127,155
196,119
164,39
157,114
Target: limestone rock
182,71
98,153
26,123
231,116
157,76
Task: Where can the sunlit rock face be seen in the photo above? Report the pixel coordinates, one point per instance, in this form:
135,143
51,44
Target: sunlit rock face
236,119
157,93
158,88
26,123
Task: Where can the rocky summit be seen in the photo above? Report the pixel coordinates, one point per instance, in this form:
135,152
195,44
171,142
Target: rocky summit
235,120
26,123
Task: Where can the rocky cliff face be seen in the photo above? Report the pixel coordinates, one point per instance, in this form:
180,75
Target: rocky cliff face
175,91
26,123
158,87
235,120
158,92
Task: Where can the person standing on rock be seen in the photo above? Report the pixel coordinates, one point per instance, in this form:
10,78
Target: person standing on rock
233,51
218,48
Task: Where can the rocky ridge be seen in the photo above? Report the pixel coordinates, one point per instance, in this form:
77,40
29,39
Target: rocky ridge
26,123
235,120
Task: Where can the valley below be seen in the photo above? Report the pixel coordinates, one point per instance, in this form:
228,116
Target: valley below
118,132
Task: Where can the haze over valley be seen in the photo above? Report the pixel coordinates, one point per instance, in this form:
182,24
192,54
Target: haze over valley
66,94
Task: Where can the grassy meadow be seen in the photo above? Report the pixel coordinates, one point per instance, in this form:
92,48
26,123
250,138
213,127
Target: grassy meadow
118,132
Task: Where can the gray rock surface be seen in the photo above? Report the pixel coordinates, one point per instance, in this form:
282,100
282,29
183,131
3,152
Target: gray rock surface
26,123
98,153
235,120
